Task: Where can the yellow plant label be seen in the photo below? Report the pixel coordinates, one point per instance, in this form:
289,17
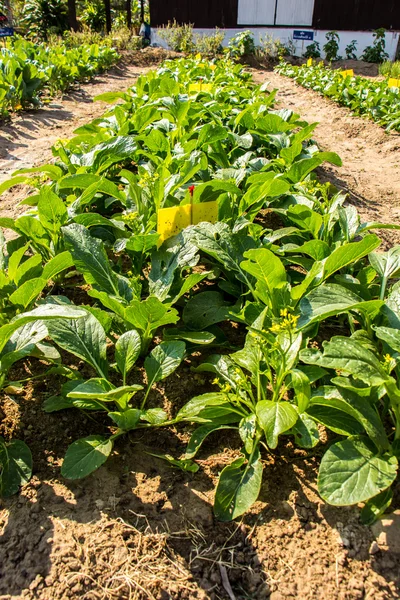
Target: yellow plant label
171,221
310,62
200,87
394,82
348,73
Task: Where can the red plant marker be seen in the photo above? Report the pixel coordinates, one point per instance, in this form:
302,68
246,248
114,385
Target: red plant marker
191,190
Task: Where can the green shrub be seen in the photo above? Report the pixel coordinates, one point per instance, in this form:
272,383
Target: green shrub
390,69
45,17
376,53
94,15
211,45
242,44
312,51
331,47
351,50
178,37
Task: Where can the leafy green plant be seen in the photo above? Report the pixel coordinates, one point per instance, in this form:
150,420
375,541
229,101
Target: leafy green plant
178,37
390,69
93,15
86,339
331,48
376,53
15,466
312,51
373,99
241,45
209,44
45,17
351,50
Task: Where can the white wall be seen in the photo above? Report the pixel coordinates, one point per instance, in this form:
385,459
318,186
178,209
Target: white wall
364,38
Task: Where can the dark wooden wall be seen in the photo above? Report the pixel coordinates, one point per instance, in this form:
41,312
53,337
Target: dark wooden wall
356,14
328,14
202,13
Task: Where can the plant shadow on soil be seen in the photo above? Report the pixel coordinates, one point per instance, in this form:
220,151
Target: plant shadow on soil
138,528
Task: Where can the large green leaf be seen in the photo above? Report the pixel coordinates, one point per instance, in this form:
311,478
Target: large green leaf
331,299
205,309
52,210
350,356
353,471
90,258
163,360
353,405
15,466
238,487
275,418
149,314
42,313
85,456
84,338
127,350
349,254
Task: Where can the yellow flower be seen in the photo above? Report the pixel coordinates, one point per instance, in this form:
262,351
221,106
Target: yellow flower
198,56
215,381
226,388
213,67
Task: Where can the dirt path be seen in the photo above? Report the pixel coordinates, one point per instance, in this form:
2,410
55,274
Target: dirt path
371,158
26,141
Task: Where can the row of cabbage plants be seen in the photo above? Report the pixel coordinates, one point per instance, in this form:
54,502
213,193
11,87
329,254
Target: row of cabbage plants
28,70
367,97
193,132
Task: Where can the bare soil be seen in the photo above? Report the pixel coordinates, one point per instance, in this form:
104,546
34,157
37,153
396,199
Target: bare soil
138,529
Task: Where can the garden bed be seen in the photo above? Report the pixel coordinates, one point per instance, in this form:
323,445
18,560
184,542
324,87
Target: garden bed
138,528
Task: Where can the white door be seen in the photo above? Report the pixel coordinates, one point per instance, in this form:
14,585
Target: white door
295,12
256,12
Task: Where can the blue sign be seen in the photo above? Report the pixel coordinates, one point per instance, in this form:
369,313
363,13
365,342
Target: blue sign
6,31
303,35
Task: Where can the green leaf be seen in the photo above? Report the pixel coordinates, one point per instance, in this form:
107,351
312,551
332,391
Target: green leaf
197,404
127,419
390,336
356,406
349,356
275,418
85,456
353,471
150,314
28,292
349,254
52,210
238,487
183,464
163,360
90,258
375,507
302,389
15,465
127,350
194,337
329,300
305,432
84,338
56,265
386,264
301,168
43,313
205,309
